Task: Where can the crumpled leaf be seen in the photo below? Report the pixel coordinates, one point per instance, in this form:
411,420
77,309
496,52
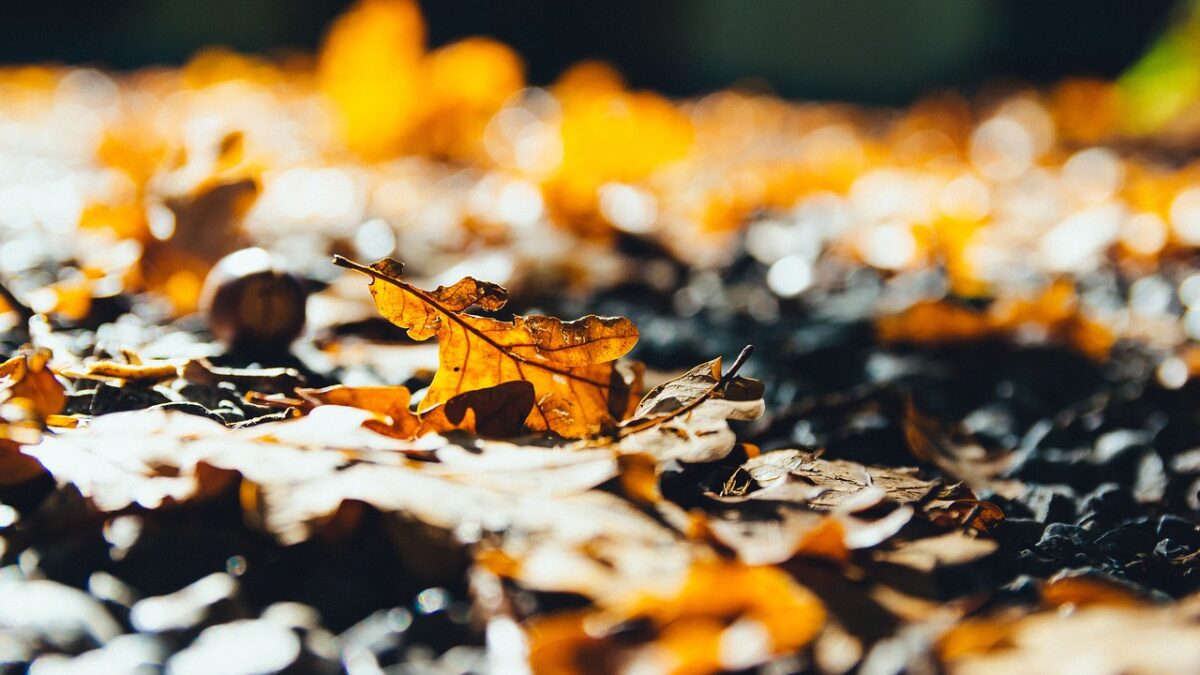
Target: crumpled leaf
1134,640
570,364
687,419
725,617
27,375
805,477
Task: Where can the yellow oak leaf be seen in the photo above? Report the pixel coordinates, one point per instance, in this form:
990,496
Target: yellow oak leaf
570,364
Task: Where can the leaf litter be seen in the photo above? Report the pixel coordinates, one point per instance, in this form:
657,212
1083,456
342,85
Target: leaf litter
708,584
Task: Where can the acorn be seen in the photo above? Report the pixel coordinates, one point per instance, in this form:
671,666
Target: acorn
252,304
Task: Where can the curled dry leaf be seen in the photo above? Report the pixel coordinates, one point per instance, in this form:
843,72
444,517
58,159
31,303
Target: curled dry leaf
570,364
687,419
725,617
126,372
804,477
28,376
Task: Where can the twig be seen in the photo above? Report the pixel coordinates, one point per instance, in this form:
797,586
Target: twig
737,365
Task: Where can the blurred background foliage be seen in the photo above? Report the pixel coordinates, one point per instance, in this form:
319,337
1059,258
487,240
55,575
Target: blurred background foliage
872,51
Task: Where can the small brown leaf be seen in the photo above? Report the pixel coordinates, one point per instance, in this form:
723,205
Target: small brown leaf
687,419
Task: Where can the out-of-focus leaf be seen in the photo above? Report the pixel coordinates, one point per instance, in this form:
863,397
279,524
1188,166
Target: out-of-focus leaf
726,616
271,380
570,364
930,553
1134,640
390,402
129,372
1055,312
18,427
27,375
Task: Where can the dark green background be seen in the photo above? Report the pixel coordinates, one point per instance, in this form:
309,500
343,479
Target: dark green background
864,50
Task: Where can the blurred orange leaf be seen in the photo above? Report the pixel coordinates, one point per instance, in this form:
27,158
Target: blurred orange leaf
28,376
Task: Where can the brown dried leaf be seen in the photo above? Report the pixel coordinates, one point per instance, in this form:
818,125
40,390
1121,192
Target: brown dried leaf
129,372
578,390
687,419
804,477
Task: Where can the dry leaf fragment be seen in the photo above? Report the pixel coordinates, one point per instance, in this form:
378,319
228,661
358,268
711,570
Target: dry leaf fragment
130,372
570,364
28,376
803,476
687,419
492,412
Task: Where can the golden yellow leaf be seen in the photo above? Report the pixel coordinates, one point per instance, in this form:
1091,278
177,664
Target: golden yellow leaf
569,364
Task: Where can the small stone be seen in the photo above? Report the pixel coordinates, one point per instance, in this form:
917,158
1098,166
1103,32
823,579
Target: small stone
1179,529
125,654
1019,532
1050,503
66,618
244,647
1106,503
1123,543
1151,483
209,601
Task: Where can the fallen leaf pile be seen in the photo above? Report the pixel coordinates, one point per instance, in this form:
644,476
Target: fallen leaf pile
852,390
586,531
